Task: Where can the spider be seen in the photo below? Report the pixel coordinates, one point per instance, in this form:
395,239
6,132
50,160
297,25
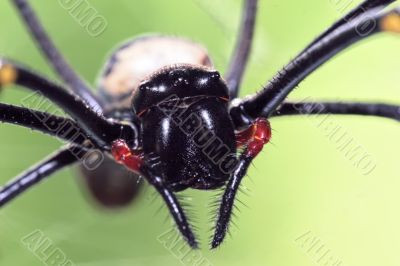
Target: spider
163,113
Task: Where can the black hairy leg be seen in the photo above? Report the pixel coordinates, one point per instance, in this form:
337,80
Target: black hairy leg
339,108
354,13
151,168
63,128
60,65
101,130
253,140
55,162
266,101
240,56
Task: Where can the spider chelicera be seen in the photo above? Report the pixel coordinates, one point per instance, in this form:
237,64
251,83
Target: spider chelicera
163,113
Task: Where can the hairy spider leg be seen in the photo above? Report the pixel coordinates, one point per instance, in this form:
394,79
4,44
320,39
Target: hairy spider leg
150,168
268,100
240,56
54,57
37,173
101,130
253,139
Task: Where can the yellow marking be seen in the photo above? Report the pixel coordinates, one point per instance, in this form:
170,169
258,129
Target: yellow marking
8,74
391,22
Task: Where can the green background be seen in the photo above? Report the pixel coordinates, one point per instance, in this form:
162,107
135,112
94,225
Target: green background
301,184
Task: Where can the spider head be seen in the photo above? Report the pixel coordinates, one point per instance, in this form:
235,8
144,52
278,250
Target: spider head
179,81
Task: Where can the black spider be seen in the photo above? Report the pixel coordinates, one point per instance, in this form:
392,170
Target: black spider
182,126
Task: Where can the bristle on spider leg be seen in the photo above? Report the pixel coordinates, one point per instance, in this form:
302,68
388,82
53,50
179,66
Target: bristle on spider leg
159,209
192,219
230,217
228,230
153,197
245,190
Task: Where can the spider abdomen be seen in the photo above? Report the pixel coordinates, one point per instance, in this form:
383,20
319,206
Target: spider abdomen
136,59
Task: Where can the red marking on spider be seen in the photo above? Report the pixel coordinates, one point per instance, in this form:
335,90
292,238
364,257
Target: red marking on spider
254,137
124,155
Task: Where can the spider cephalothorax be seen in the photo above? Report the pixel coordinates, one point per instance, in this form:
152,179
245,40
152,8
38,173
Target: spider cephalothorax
165,114
181,109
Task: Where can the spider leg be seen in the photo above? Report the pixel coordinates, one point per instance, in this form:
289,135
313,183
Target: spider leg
101,130
60,65
37,173
153,174
240,56
354,13
151,169
61,127
340,108
254,138
273,94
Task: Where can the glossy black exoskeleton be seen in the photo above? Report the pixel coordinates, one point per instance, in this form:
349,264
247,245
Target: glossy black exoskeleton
184,119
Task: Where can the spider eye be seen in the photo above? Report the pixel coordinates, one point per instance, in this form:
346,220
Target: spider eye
206,78
144,85
215,75
174,73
